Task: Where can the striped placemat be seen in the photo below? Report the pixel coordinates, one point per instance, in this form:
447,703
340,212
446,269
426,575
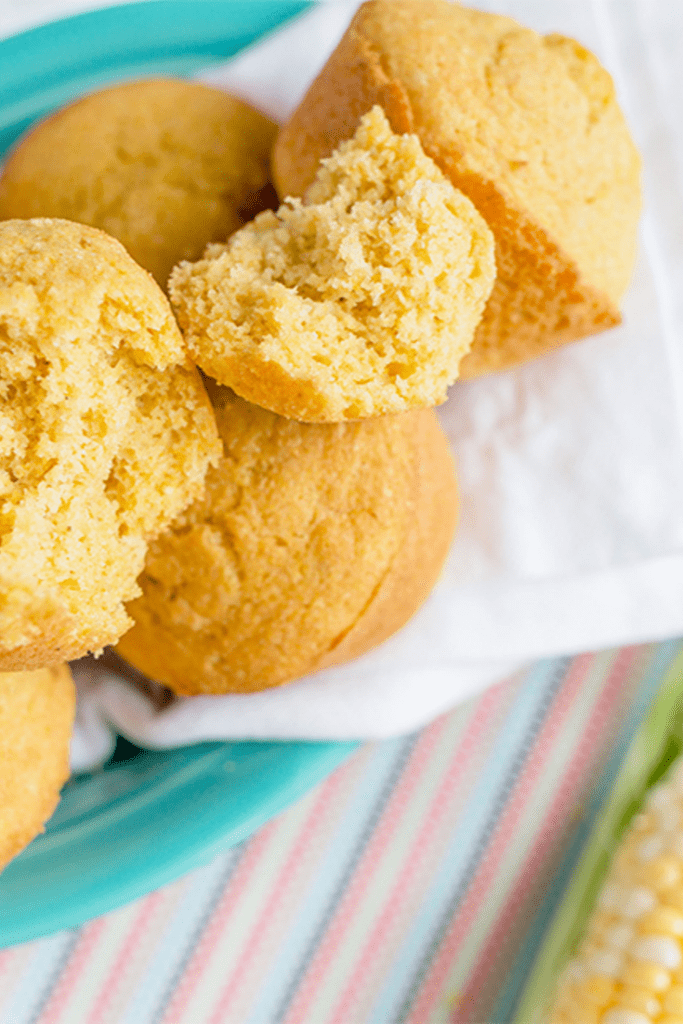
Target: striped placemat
413,885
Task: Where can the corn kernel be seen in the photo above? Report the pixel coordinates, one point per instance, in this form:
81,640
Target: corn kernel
640,999
574,971
618,936
598,989
662,872
585,1013
587,949
673,1000
674,898
619,1015
624,865
647,975
633,839
664,804
651,846
638,901
661,798
669,819
578,1011
611,897
608,962
564,1001
672,1018
600,922
662,950
662,921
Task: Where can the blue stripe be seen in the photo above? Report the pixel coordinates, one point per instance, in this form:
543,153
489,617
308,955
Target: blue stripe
176,945
40,977
478,817
330,882
186,948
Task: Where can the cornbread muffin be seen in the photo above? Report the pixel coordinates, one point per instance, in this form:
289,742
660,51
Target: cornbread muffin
312,543
360,301
36,718
163,165
527,126
105,435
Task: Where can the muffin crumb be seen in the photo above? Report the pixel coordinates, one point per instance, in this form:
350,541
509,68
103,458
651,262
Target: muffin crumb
358,301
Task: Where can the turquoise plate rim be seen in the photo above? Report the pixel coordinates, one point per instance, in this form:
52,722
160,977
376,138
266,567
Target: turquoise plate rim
185,805
146,822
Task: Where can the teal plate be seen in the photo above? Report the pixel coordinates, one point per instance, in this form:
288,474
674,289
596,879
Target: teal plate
135,824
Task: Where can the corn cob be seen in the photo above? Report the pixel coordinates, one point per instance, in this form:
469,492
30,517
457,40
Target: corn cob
628,968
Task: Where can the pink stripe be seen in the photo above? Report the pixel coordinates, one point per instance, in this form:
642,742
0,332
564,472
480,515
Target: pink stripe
414,862
391,818
587,754
7,960
214,929
296,862
75,967
505,832
11,966
125,959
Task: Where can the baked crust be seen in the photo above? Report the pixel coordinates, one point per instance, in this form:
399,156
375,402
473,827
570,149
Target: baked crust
36,718
164,165
528,127
312,543
422,553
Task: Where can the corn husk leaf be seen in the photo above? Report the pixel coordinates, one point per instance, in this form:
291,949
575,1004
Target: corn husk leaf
657,743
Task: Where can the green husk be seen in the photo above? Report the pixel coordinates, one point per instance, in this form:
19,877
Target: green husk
658,742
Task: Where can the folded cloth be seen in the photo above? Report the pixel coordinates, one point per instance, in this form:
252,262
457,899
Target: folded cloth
571,468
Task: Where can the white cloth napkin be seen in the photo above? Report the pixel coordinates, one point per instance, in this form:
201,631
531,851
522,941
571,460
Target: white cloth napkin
571,468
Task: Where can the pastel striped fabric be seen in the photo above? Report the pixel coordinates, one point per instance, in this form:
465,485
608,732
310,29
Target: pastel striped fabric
413,885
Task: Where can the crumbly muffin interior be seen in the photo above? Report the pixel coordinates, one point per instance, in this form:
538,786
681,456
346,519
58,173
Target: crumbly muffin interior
360,300
105,432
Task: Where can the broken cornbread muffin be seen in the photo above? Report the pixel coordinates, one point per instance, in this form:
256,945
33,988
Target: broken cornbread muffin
36,719
312,543
359,301
106,433
528,126
164,165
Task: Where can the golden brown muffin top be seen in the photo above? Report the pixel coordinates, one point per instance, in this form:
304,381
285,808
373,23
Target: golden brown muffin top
537,115
164,165
256,581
